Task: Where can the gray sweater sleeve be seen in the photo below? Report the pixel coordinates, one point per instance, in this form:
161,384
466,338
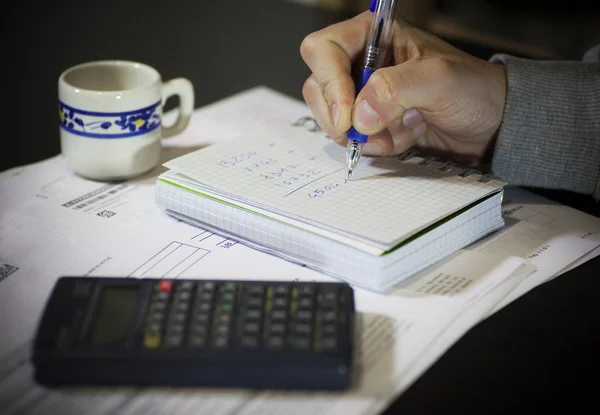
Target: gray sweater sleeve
550,133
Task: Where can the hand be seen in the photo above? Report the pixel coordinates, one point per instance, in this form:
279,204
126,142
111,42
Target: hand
433,96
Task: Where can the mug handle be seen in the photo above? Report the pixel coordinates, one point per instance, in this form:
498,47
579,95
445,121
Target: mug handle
185,90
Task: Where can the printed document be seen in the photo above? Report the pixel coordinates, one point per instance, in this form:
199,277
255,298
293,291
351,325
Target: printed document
53,223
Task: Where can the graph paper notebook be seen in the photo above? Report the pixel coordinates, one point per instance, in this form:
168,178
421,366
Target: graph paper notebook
284,190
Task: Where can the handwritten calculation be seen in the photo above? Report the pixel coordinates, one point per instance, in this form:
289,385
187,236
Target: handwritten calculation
286,168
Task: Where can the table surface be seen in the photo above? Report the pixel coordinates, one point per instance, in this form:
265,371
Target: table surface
537,352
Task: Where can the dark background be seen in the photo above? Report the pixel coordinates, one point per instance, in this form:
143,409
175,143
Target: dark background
539,353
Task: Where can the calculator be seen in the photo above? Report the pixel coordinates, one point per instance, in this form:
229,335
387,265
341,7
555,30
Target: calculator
104,331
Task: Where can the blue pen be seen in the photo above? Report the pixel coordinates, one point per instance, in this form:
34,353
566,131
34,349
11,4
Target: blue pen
379,41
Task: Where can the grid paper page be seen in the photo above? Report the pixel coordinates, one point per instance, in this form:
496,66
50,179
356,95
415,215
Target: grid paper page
303,176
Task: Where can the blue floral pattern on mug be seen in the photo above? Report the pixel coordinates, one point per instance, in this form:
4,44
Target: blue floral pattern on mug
109,124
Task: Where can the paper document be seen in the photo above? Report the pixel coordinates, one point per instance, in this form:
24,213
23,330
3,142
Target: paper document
53,223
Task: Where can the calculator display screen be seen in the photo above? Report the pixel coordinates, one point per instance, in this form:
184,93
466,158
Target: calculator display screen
114,313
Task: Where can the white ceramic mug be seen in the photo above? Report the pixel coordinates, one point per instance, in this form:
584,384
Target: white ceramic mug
111,117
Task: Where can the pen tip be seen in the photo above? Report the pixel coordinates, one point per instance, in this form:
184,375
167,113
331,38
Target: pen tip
349,173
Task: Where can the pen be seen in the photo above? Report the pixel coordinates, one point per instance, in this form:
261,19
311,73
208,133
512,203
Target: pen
379,40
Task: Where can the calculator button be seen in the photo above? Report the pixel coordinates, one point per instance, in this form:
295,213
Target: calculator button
156,317
227,297
304,315
200,318
293,308
174,340
158,306
229,286
175,328
154,327
278,315
328,300
152,340
250,342
329,316
160,296
257,290
254,302
303,329
329,329
253,314
221,329
329,344
305,303
205,297
221,342
165,285
178,317
280,303
205,287
274,342
251,328
269,292
181,307
299,343
223,318
281,290
198,329
306,290
203,308
182,296
197,341
185,286
276,328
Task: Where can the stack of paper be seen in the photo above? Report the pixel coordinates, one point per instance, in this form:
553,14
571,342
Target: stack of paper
45,234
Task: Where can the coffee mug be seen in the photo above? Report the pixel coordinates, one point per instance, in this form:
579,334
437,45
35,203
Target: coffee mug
111,117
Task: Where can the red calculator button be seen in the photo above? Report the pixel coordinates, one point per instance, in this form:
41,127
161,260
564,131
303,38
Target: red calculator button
165,286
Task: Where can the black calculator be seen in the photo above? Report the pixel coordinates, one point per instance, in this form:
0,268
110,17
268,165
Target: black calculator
104,331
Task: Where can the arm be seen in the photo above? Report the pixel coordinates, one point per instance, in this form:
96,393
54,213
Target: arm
550,133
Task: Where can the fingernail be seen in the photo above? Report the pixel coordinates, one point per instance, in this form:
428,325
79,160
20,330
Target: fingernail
335,114
372,149
365,115
411,118
419,130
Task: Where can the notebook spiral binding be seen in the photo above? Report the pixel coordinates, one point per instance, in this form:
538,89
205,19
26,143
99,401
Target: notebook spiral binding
313,126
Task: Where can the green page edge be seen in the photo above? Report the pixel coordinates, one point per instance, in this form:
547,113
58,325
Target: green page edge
412,238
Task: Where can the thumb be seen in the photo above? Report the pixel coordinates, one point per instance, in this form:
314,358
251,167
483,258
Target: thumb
392,90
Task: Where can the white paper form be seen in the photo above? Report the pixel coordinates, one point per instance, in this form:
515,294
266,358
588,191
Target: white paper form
48,237
396,330
52,236
405,332
550,235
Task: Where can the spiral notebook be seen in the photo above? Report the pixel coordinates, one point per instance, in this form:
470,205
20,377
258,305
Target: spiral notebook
283,189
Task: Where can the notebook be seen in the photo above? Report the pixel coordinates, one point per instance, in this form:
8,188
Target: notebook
283,189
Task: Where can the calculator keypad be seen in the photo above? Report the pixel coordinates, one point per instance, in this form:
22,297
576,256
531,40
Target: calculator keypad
245,315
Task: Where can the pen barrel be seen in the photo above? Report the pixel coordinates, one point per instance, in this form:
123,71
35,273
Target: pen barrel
381,34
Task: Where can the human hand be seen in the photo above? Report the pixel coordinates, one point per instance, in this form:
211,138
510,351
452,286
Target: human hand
434,96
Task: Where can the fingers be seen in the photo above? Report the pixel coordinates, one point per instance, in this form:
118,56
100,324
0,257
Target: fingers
318,105
397,137
391,91
329,54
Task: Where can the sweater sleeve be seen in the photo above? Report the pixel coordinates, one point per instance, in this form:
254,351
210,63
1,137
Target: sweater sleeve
550,133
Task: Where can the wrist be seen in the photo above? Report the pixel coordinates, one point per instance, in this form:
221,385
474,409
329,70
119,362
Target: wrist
497,85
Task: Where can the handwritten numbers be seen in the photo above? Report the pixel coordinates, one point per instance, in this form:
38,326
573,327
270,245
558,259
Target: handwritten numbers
327,188
234,160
